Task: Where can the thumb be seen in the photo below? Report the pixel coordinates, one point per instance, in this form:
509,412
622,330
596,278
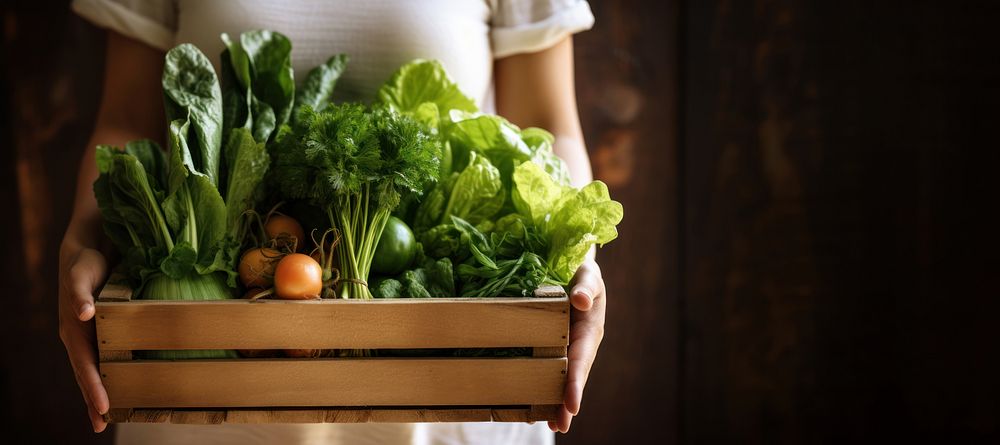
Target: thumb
586,283
85,276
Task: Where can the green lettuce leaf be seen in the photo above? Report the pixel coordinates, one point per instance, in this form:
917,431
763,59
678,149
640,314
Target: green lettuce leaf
477,193
423,90
536,194
569,220
506,145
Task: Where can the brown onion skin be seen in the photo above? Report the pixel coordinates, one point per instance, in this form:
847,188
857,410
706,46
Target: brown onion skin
257,266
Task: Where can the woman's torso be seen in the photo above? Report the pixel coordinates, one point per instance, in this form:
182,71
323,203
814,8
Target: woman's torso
378,35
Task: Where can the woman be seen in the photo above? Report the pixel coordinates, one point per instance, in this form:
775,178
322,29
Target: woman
512,56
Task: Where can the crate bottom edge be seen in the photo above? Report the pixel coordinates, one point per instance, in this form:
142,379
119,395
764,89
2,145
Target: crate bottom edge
359,414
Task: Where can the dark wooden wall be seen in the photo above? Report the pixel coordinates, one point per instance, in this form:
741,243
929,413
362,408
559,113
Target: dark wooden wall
52,64
809,247
840,229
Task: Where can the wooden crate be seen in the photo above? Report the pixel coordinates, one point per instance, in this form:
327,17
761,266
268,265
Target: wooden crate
339,390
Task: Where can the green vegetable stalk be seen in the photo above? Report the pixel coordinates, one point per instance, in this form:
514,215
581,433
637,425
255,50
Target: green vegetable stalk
354,163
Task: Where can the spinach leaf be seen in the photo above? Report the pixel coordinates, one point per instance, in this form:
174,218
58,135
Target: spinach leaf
192,93
261,63
434,279
318,87
135,202
235,107
249,161
444,240
152,159
209,214
431,210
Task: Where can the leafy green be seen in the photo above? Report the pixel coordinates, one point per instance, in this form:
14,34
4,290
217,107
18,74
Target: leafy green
355,163
444,240
250,159
191,93
435,278
430,211
129,202
165,212
319,84
477,193
488,273
506,145
423,90
570,220
261,64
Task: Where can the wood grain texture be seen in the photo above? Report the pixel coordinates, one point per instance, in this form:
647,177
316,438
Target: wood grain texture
111,355
115,290
325,382
333,324
841,226
336,415
556,351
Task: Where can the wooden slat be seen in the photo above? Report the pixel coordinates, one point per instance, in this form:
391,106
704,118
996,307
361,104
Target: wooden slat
507,414
118,415
539,413
348,415
111,355
276,416
198,417
550,292
430,415
333,324
339,382
116,289
554,351
332,415
151,415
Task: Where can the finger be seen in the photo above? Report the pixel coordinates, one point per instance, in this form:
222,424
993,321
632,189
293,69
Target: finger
585,338
587,286
553,426
96,420
85,369
565,419
85,276
95,387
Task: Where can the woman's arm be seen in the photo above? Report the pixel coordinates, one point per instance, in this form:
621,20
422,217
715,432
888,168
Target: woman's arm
131,108
537,90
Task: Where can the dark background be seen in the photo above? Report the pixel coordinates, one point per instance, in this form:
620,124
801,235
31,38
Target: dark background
809,248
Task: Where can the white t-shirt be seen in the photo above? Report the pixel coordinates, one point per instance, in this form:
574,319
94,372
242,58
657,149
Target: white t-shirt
379,35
